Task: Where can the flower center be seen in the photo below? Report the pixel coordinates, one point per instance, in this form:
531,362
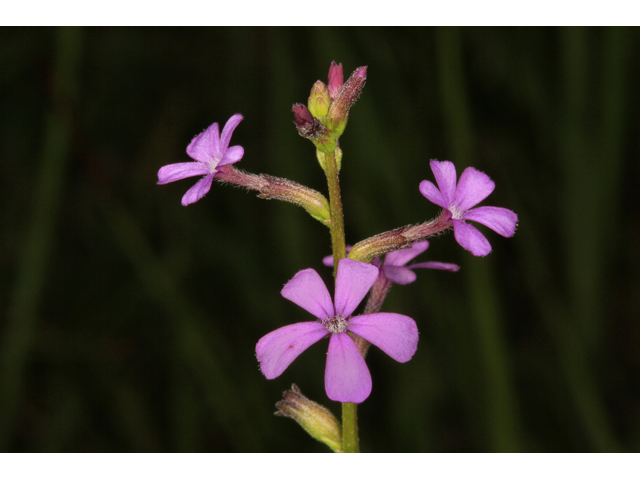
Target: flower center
455,213
213,164
337,324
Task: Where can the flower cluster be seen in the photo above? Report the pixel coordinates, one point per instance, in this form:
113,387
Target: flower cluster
347,377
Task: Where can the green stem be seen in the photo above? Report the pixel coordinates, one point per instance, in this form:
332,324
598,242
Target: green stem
335,207
350,442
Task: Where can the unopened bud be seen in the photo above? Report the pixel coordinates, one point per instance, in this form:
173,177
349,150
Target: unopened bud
311,128
302,116
349,93
315,419
336,79
319,100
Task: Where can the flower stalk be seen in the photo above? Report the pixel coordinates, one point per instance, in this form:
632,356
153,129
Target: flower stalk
350,439
335,205
377,295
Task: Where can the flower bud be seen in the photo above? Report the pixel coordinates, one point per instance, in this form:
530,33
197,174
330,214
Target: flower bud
336,79
315,419
319,100
302,116
349,93
311,128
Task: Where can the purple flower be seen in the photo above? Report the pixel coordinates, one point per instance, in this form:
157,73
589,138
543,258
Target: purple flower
473,187
347,378
211,151
394,266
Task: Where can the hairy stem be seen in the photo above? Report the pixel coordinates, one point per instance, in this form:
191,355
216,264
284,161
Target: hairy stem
350,441
335,206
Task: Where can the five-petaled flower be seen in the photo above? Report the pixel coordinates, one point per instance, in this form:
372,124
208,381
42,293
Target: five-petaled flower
472,188
395,266
210,150
347,378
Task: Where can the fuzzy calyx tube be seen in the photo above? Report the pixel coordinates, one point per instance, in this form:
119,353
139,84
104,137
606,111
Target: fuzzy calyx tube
403,237
275,188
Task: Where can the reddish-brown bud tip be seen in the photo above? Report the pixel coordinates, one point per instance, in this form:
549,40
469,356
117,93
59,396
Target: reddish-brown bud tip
302,116
307,125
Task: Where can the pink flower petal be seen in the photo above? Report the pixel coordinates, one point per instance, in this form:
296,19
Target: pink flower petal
178,171
227,131
470,238
353,281
206,146
451,267
328,260
431,193
498,219
404,256
198,191
399,275
394,334
346,378
307,290
232,155
276,350
473,187
445,173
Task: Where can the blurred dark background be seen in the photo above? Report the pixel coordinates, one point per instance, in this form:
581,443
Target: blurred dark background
128,322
